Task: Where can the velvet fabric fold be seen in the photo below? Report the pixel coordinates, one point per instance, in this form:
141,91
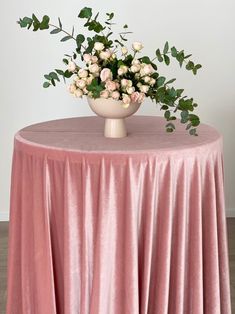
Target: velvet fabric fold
138,231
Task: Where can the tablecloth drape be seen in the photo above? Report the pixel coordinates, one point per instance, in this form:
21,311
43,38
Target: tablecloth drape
117,226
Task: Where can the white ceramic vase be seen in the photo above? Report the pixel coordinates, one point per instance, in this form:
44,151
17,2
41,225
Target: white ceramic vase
114,114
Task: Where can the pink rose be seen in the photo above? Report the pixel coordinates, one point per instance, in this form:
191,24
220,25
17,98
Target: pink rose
110,86
117,85
115,95
94,59
104,94
81,83
106,75
141,98
124,82
146,69
87,57
126,99
135,97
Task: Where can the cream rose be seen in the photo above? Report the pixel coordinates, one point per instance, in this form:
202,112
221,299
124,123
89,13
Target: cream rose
106,75
135,68
72,66
78,93
146,70
81,83
137,46
147,79
89,79
72,88
99,46
126,100
124,50
135,62
129,83
130,90
144,88
152,81
82,73
76,78
122,70
85,91
105,55
94,68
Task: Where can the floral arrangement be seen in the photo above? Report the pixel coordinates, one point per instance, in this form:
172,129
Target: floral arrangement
110,69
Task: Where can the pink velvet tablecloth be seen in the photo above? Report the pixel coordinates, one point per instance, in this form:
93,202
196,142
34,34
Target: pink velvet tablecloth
117,226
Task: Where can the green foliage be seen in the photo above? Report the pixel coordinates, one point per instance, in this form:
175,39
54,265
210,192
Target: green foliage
45,22
166,59
34,21
160,81
85,13
145,60
46,84
55,31
166,48
178,55
80,39
159,55
170,81
174,52
66,38
95,88
94,26
51,78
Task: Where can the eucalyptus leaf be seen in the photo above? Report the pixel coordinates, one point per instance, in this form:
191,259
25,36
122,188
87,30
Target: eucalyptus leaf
174,52
166,59
160,81
66,38
85,13
166,48
46,84
55,31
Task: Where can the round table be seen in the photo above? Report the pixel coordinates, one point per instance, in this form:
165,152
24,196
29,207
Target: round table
117,226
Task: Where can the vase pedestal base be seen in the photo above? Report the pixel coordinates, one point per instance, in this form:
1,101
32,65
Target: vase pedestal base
115,128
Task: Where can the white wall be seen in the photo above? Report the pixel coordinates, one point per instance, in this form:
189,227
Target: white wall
204,28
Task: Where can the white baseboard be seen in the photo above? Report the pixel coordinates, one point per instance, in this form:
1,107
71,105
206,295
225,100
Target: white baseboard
4,215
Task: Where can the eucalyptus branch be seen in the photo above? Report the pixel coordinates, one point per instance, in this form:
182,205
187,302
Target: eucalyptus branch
62,30
178,55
